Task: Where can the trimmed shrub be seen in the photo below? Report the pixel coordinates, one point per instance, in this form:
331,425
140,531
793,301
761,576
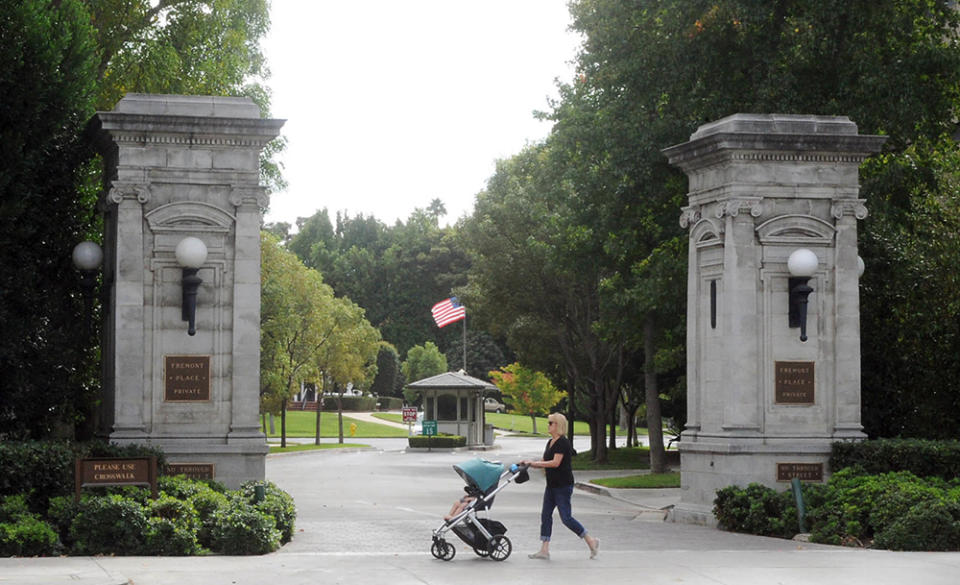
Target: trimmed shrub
44,469
438,442
207,504
165,537
923,458
60,514
355,403
756,509
390,403
109,525
12,507
277,503
934,527
856,507
243,530
28,536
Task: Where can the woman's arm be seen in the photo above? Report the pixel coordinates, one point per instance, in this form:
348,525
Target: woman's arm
555,462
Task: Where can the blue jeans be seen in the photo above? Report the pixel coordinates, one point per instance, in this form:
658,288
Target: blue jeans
558,498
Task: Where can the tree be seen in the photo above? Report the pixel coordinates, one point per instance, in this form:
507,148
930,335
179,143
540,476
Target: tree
422,362
651,72
388,370
396,273
294,307
47,88
350,357
526,391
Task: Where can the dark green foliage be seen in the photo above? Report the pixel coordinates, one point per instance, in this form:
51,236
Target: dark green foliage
923,458
354,403
244,530
895,510
388,369
390,403
60,514
28,536
934,527
109,525
756,509
207,504
437,442
172,527
12,507
44,469
47,82
276,503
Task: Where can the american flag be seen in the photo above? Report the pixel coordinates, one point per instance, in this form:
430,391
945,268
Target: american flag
448,311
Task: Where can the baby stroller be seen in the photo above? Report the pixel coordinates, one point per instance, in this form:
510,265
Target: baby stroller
487,537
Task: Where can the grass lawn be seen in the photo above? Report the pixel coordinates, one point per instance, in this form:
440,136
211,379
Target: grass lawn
304,423
512,422
275,447
646,481
622,458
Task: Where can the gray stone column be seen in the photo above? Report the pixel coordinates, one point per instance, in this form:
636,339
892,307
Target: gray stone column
763,405
178,167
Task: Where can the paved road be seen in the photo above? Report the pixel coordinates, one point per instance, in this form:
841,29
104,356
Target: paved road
366,517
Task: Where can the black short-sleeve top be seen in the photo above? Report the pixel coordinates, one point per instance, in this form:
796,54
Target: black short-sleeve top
563,475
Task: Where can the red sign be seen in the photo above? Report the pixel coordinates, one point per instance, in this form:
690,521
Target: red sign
409,415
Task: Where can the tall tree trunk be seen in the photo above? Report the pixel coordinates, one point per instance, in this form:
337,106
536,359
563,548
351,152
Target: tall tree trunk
533,419
316,440
283,424
658,457
340,415
273,424
613,425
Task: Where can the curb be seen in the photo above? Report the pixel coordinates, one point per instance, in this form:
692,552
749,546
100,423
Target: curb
660,513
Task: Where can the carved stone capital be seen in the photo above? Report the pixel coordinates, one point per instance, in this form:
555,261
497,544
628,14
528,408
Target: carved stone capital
120,191
854,207
249,195
733,207
689,216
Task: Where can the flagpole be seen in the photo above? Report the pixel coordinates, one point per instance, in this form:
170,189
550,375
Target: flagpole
464,344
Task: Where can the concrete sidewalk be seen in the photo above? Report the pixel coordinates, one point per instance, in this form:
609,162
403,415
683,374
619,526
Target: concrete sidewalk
366,517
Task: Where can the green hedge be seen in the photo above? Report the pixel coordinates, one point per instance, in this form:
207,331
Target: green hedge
437,442
923,458
390,403
45,469
895,510
354,403
39,517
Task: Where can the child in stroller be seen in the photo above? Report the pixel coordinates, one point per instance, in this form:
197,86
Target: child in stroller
484,479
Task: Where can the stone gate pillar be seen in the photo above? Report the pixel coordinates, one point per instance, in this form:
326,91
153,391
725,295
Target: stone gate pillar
179,167
764,406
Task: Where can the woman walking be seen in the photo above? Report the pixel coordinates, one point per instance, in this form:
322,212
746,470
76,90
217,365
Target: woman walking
557,462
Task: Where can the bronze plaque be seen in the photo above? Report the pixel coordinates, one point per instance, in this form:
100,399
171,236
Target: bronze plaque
801,471
186,378
192,470
111,471
793,383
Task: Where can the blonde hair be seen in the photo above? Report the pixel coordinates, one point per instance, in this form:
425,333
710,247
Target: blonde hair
561,422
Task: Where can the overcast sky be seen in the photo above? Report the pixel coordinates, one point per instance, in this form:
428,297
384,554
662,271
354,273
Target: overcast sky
393,103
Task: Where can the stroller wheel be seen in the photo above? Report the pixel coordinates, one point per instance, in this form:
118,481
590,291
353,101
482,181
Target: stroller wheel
443,550
481,552
500,547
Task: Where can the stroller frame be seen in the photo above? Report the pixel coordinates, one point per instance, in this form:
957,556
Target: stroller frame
493,545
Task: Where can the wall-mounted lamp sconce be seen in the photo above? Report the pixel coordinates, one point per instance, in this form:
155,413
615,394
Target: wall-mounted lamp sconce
191,254
87,257
802,265
860,267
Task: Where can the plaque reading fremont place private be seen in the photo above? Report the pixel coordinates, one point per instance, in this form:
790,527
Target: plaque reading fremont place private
186,378
801,471
793,383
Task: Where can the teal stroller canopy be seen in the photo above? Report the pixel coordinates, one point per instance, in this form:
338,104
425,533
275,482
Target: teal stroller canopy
480,473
